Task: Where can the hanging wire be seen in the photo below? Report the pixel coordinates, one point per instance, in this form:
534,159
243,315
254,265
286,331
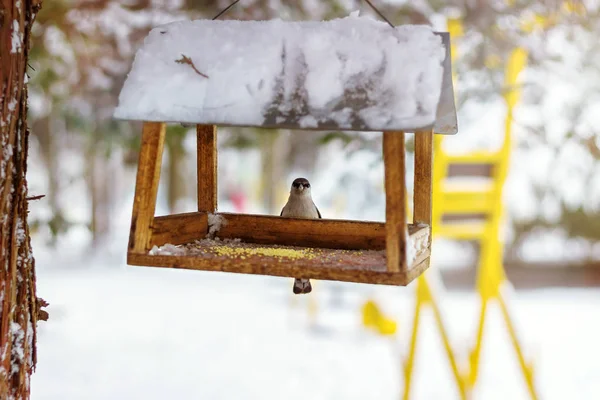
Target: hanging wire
379,13
367,1
226,9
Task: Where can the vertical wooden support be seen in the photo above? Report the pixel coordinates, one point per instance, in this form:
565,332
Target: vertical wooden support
423,178
207,167
146,186
395,201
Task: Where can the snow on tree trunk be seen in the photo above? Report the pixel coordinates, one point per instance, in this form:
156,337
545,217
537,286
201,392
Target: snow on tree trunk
19,306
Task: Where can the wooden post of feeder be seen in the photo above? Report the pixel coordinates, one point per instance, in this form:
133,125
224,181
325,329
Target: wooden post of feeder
395,201
422,199
206,136
146,186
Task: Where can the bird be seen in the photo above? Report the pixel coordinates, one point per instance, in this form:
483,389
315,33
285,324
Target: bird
301,205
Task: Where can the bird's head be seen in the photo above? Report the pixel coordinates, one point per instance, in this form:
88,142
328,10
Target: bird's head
300,187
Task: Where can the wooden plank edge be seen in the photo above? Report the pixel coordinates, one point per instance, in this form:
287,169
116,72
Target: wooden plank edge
179,228
268,229
281,270
416,270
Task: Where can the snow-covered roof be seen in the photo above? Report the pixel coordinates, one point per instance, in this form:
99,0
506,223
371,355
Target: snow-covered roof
354,73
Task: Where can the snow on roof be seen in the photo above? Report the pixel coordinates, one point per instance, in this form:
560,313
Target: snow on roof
354,73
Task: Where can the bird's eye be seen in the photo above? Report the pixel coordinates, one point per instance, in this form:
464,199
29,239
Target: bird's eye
295,184
307,185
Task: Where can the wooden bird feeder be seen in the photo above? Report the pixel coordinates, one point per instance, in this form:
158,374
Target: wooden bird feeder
347,74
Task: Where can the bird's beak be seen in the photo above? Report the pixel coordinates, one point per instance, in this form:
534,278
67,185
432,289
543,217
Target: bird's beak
301,187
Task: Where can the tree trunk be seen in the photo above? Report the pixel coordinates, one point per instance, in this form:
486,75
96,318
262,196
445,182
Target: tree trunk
100,175
42,129
18,302
273,152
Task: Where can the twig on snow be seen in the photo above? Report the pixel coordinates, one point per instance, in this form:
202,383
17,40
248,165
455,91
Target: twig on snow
186,60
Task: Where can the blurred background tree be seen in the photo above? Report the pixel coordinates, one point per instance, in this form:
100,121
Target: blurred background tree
83,50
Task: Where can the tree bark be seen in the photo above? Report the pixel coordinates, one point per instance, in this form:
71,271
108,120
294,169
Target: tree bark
19,306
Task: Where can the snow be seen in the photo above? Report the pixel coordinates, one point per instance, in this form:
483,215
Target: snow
167,250
16,38
215,222
17,350
134,332
7,153
415,245
351,73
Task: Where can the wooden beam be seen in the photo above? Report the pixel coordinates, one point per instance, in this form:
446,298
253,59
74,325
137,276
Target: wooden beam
369,267
395,200
179,228
423,177
264,236
206,136
321,233
262,229
146,187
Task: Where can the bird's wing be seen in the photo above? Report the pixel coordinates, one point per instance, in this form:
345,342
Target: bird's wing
318,212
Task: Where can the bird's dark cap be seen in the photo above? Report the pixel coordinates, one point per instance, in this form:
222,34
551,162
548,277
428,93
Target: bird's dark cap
301,181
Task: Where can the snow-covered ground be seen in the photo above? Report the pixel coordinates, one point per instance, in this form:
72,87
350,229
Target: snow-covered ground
119,332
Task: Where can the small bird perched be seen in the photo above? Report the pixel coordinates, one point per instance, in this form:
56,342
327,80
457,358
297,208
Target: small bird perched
300,205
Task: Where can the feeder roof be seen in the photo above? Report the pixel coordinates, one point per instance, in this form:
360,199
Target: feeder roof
354,73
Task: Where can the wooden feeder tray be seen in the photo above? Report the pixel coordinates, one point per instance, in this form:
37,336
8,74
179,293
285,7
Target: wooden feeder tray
392,253
264,245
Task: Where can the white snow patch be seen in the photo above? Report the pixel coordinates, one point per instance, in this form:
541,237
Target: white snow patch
16,38
18,352
7,153
167,250
316,69
215,222
309,122
20,232
249,328
415,246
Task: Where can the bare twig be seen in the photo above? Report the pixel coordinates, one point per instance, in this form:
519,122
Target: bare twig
42,315
186,60
41,196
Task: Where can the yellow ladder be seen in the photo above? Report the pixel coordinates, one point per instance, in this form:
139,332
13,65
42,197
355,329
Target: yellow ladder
473,212
427,297
492,283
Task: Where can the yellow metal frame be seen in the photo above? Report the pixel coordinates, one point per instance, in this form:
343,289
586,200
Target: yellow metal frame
491,277
487,200
427,297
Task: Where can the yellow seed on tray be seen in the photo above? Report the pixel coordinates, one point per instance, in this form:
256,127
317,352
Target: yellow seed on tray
264,251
